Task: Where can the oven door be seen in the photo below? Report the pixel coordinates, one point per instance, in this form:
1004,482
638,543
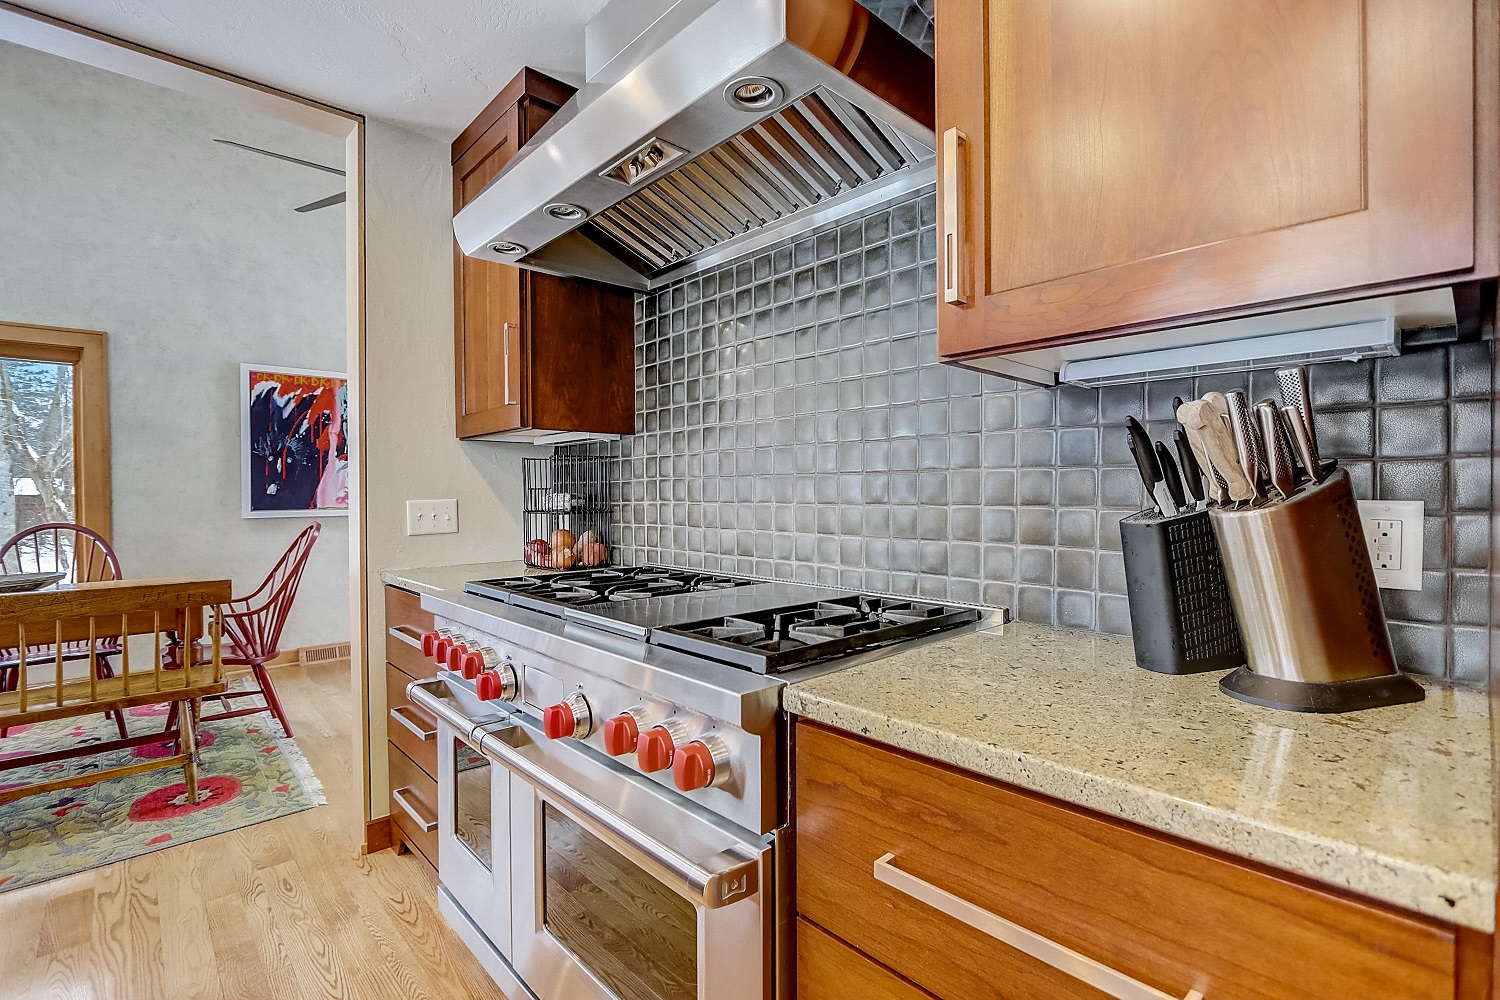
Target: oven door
621,889
474,834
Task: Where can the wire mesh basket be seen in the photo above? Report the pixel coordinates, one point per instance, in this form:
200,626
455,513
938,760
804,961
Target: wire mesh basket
566,511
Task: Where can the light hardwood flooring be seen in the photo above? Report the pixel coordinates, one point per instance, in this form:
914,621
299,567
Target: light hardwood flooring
283,909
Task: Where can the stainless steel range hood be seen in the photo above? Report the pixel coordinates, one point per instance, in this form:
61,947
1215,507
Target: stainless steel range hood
708,129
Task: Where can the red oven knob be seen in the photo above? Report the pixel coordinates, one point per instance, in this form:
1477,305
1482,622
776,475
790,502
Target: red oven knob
694,767
456,652
487,685
621,735
429,643
440,647
471,664
655,751
568,718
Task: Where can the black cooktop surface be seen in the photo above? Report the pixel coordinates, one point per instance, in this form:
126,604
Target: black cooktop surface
600,586
791,636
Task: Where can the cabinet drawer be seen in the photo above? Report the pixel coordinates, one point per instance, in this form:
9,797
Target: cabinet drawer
403,613
828,969
405,720
414,805
1169,915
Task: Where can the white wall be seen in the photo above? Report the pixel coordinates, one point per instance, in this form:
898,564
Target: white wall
118,213
410,449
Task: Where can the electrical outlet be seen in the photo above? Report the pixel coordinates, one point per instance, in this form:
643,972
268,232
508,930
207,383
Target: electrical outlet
431,517
1393,530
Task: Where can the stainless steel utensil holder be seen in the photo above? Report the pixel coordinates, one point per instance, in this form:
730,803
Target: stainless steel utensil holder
1308,605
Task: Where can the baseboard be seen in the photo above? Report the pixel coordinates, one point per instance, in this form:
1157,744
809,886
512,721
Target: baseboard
377,835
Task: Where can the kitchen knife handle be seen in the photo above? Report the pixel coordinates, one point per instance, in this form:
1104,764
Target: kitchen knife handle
1302,445
955,235
1147,470
1296,391
1248,446
1279,458
1202,421
1170,476
1192,472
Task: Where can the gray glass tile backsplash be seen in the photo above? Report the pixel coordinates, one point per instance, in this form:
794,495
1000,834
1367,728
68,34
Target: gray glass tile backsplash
794,422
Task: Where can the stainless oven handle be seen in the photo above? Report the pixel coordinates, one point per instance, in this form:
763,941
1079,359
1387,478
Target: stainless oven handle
726,878
420,693
405,634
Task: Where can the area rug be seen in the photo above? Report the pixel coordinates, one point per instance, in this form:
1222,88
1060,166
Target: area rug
249,773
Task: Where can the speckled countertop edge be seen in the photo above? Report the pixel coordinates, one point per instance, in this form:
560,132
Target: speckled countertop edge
1460,897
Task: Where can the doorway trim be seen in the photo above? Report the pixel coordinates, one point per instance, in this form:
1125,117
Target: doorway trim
117,55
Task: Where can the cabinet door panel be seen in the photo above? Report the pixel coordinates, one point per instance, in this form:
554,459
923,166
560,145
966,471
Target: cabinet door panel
489,344
1131,165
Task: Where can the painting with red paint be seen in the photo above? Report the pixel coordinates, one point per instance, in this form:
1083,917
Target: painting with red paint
295,455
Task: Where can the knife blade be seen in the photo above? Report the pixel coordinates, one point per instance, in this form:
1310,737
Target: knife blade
1192,472
1278,457
1301,445
1144,453
1170,477
1248,445
1296,391
1207,430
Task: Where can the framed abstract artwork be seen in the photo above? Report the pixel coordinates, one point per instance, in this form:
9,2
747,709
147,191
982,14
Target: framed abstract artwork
294,452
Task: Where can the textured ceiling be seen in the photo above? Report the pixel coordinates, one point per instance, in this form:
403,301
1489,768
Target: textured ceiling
430,65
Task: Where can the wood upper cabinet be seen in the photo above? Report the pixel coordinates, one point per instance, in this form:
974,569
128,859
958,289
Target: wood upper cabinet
533,353
1114,168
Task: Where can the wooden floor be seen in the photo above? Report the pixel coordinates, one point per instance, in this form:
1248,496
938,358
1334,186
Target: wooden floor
282,909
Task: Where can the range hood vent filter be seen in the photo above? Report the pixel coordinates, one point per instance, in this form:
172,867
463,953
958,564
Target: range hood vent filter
814,149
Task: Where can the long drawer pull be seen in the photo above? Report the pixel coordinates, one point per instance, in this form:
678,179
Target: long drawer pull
402,714
1101,977
954,232
402,797
407,634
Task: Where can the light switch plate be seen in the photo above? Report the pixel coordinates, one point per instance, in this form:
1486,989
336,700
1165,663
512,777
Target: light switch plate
1393,530
431,517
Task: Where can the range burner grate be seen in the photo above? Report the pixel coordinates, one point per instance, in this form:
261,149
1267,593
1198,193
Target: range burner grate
772,641
600,586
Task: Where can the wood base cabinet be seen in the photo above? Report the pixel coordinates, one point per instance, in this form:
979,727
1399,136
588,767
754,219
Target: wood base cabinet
918,880
534,354
411,733
1116,168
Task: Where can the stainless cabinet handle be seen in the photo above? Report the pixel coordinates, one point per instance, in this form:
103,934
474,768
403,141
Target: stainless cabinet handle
401,714
726,878
505,348
406,634
401,797
1101,977
955,235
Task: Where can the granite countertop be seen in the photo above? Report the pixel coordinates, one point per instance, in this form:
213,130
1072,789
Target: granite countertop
437,579
1393,803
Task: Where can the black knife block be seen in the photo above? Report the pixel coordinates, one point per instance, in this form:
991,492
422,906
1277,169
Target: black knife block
1181,613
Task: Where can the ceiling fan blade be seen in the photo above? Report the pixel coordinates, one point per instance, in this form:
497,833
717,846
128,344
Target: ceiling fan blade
282,156
313,206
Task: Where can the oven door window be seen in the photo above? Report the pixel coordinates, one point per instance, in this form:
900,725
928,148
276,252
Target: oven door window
636,935
471,801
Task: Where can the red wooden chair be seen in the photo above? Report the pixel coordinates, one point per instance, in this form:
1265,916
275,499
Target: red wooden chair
86,557
252,630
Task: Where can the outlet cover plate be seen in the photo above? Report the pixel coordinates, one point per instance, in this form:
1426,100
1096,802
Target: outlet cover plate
1406,571
431,517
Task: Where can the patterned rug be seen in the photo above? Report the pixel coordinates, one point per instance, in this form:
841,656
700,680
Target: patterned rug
248,773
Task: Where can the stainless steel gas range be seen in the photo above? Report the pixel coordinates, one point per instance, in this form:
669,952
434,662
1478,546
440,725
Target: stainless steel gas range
613,771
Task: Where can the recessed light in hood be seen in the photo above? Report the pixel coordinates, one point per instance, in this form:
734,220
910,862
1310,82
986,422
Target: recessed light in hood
709,129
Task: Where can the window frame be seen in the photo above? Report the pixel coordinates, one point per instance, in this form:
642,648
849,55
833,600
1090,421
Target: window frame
88,352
